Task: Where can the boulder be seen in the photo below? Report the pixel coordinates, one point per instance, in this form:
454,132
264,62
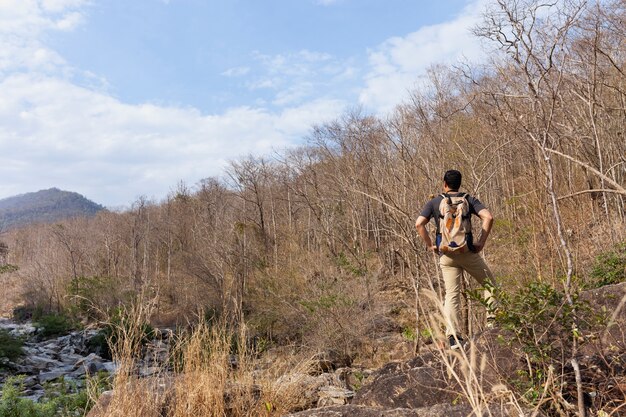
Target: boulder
102,405
331,395
50,376
306,388
439,410
420,382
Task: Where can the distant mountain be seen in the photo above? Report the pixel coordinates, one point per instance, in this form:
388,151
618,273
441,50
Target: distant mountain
44,206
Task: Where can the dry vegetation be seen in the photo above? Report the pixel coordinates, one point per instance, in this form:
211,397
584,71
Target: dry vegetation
317,248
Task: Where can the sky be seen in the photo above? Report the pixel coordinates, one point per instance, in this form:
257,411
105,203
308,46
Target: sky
119,99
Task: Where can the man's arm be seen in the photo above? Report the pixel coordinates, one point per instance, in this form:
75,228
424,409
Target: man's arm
420,225
487,218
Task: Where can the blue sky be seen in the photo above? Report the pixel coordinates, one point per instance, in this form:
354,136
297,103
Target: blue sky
116,99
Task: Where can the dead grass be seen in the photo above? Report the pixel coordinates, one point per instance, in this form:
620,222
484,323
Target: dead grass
212,371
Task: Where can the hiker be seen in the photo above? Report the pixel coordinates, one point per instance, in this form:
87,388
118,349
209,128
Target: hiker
455,245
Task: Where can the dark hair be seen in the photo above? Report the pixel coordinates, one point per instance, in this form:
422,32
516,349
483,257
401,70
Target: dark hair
453,179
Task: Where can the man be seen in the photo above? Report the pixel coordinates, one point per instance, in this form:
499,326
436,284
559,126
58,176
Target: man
457,254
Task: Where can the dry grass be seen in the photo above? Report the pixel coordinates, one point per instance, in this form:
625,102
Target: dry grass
466,370
211,372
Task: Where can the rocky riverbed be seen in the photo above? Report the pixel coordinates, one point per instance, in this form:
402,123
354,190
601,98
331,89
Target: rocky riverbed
67,357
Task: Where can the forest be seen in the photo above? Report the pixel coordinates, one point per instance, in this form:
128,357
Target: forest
315,247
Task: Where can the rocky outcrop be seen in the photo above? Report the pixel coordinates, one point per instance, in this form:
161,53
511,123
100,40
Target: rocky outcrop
46,361
439,410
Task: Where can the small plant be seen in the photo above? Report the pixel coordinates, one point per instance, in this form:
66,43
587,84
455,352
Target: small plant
609,267
540,318
539,321
54,324
93,295
63,399
10,346
409,333
4,269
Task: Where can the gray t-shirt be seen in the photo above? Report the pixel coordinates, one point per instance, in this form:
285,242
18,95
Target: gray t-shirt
431,209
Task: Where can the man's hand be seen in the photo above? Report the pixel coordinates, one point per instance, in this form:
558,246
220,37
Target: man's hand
478,247
433,248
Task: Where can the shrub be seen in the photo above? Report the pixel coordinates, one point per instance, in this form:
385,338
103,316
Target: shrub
93,296
54,324
59,400
10,347
539,321
609,267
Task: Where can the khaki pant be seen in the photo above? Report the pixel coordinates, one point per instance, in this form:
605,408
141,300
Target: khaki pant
452,267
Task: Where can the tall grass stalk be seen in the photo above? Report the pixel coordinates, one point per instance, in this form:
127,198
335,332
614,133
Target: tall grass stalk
211,371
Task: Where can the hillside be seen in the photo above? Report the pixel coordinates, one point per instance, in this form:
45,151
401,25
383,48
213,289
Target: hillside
44,206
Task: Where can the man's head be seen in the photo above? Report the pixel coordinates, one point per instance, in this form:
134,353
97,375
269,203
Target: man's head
452,179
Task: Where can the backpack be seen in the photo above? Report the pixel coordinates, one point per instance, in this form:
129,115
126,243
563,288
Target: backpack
454,227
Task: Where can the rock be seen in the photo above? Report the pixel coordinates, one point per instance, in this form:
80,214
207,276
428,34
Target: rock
352,378
306,388
411,384
41,363
70,359
438,410
91,364
328,361
102,405
50,376
150,371
110,367
333,396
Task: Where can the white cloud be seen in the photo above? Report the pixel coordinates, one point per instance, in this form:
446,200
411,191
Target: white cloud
22,25
397,64
236,71
55,132
300,76
60,134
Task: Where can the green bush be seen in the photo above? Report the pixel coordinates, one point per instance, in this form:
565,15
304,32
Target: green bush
60,400
53,324
539,322
93,296
10,347
609,267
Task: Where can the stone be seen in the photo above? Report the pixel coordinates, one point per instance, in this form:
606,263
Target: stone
41,363
333,396
102,405
411,384
438,410
149,371
50,376
306,388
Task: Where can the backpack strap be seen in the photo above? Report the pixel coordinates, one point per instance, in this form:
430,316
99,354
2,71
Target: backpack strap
466,196
439,216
